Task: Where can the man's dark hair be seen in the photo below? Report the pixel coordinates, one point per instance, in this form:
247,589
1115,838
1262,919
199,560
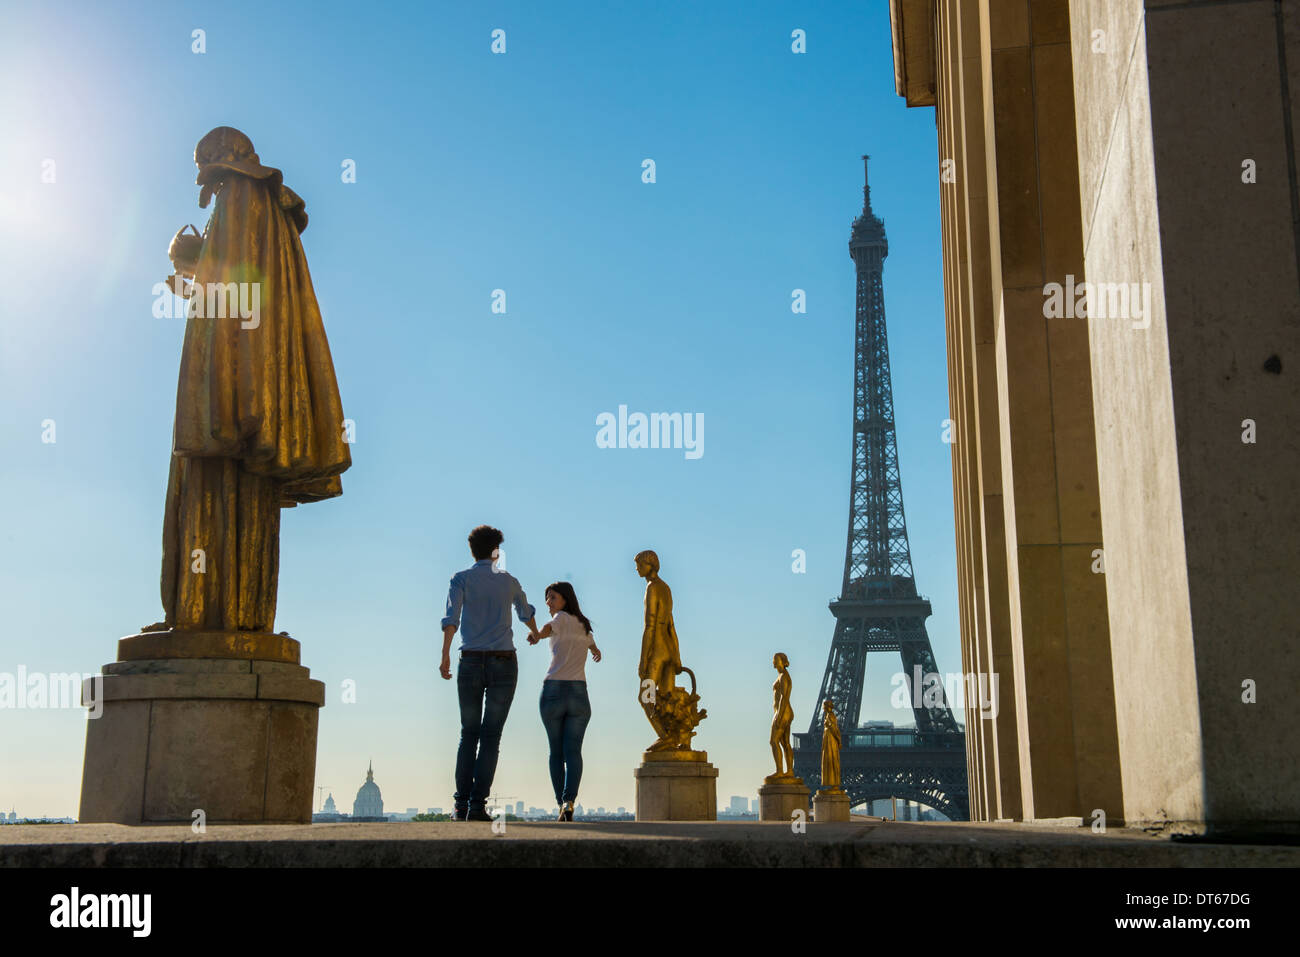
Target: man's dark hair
484,540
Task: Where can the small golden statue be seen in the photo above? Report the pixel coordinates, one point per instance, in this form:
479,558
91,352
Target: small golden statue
673,713
782,718
259,425
830,749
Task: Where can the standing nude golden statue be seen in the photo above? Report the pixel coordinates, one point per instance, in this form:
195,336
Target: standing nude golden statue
830,749
672,712
782,718
259,424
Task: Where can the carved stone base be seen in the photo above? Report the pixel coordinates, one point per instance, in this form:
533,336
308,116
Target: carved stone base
830,805
234,737
181,643
779,800
676,786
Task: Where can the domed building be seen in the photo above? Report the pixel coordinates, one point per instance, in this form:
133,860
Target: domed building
329,814
369,804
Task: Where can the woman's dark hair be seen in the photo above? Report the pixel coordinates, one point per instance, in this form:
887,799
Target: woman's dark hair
484,540
565,591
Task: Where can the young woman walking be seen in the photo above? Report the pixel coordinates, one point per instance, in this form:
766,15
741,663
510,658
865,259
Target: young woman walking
564,704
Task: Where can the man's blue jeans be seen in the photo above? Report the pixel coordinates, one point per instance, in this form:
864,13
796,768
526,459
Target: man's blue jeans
565,712
486,685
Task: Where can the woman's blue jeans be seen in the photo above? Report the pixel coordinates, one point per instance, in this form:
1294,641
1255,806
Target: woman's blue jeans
565,712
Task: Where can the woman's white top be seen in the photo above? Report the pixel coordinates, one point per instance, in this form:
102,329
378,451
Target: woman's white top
569,644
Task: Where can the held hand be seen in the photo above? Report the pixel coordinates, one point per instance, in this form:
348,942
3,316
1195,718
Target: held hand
534,638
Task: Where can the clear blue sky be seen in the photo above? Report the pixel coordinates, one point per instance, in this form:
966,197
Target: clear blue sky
476,172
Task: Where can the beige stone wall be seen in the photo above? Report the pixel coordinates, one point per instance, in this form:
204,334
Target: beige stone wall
1103,142
1199,564
1155,681
1024,467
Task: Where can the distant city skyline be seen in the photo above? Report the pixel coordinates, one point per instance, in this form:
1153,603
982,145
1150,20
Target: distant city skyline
737,806
13,817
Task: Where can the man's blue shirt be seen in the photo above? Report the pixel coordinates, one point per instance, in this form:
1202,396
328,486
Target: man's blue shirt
485,596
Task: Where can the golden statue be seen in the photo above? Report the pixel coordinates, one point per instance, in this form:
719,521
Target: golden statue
259,424
673,713
782,718
830,749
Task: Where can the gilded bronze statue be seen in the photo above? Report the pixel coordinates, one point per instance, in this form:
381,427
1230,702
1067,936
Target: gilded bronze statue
258,427
259,423
672,711
830,749
782,719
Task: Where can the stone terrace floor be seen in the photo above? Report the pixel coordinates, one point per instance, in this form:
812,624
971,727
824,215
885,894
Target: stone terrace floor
865,842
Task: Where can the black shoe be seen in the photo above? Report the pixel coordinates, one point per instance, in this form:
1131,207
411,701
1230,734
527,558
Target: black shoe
478,814
459,813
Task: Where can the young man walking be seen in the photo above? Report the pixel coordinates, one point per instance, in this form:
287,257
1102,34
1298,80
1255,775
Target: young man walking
478,603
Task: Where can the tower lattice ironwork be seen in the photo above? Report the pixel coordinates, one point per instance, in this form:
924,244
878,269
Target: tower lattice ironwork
878,608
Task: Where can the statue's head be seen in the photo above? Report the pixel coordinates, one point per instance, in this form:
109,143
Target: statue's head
780,662
647,563
828,707
226,150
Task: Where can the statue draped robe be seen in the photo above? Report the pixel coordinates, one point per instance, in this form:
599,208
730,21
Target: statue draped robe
259,422
830,776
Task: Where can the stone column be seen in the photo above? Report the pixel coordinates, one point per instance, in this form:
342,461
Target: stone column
1028,515
1188,117
1059,621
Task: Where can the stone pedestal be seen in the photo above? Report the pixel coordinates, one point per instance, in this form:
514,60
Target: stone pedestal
830,805
215,721
676,786
778,800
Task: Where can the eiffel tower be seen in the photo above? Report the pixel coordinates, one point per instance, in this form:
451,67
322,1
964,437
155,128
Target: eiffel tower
879,608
